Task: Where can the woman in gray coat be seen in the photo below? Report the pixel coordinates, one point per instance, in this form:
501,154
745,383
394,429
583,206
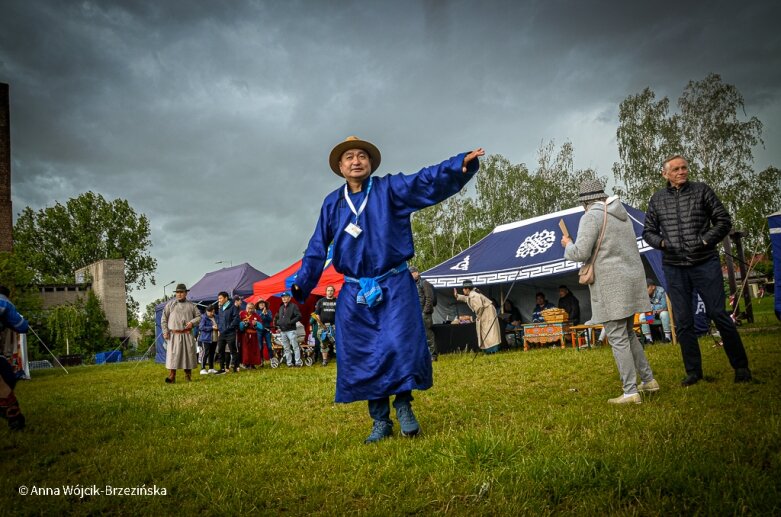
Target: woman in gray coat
618,291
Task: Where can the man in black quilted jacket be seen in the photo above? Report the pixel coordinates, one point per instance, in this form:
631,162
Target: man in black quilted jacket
686,220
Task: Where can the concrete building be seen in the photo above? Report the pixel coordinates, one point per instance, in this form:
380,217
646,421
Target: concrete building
107,278
61,294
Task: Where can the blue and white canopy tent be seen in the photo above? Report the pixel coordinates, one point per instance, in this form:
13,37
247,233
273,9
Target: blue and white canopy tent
525,257
774,223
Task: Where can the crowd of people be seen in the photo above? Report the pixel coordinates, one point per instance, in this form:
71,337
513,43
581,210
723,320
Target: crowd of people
388,307
241,338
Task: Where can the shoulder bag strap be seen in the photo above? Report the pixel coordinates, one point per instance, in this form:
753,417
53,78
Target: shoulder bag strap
601,234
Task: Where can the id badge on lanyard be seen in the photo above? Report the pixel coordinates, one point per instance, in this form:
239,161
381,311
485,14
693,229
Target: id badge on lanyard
353,229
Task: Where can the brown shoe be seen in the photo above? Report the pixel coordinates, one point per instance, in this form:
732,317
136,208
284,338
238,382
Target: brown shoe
188,374
9,410
171,377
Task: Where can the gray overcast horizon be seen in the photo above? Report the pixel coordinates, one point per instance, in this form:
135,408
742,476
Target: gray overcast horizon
215,119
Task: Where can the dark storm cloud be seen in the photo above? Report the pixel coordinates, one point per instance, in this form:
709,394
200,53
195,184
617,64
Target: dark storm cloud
215,119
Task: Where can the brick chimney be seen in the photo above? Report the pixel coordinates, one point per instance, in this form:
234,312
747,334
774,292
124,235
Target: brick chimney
6,212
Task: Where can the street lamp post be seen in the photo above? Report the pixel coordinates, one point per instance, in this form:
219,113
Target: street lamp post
166,285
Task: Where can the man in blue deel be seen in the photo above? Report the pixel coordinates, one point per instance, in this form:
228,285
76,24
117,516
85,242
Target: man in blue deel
9,405
382,342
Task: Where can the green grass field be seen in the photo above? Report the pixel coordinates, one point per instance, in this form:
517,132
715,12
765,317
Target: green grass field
511,434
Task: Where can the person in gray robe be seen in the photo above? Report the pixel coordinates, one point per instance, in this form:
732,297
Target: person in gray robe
618,291
179,316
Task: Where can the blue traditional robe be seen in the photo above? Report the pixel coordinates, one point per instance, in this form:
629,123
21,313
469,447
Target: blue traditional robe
382,350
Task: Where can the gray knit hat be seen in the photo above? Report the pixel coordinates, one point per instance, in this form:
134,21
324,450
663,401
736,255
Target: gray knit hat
591,190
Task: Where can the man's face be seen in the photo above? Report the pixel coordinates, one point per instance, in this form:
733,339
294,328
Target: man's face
181,295
285,299
415,275
540,300
651,289
250,308
329,292
355,164
221,299
676,171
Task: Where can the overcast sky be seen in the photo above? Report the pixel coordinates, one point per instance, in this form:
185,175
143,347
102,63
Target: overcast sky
215,119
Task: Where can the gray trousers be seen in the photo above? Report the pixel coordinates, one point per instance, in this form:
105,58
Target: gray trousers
289,340
628,353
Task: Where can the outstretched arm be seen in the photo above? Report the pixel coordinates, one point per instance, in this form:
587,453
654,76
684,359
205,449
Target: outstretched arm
471,156
434,184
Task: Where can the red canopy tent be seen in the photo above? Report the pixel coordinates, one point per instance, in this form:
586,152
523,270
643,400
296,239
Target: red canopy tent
270,288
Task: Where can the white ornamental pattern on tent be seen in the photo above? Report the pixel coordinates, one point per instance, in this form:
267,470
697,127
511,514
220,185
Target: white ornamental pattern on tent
536,243
463,265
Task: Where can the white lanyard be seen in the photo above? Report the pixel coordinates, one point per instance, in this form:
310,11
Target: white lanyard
365,199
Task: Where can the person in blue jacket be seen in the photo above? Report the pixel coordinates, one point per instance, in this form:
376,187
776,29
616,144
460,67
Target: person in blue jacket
207,336
228,324
379,327
9,405
542,304
264,335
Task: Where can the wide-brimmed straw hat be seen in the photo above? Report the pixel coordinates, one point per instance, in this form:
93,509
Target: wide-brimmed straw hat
353,142
181,288
591,190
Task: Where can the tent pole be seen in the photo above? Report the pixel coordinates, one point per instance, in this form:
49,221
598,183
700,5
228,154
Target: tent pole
673,333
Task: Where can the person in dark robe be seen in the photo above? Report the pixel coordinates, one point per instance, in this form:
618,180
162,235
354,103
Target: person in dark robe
249,326
569,303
